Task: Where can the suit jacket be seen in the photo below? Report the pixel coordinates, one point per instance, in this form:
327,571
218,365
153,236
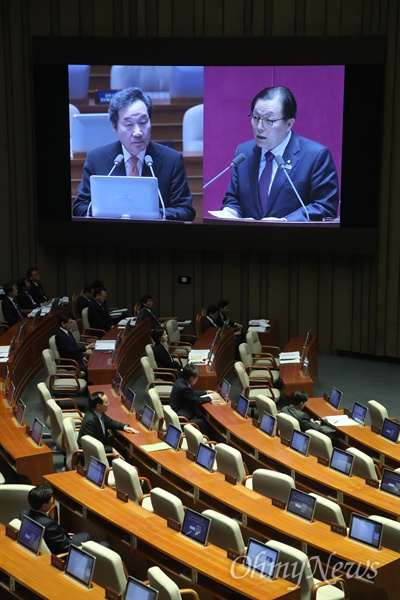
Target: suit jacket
302,417
99,317
57,539
26,301
184,400
68,347
163,358
206,324
312,172
168,167
145,313
37,293
10,312
81,303
91,426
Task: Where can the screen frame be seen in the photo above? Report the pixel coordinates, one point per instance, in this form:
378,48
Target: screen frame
396,426
149,410
25,519
262,547
206,521
305,496
245,402
95,461
72,549
140,586
210,451
271,419
336,407
359,54
37,422
178,432
303,436
377,524
352,413
388,473
341,452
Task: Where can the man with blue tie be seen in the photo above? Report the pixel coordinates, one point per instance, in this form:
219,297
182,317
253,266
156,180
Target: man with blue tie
11,311
67,345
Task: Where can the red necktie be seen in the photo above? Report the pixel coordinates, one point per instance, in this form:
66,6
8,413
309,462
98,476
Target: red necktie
264,182
133,170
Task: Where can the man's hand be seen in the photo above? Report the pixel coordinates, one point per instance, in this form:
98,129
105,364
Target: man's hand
129,429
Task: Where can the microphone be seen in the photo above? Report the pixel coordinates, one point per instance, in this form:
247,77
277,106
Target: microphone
282,165
236,161
117,161
149,162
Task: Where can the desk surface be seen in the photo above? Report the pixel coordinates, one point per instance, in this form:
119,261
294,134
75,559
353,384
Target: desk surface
209,562
291,374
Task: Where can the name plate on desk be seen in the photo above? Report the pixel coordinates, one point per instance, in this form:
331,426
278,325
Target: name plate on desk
173,524
57,562
190,455
372,482
323,461
112,594
255,423
340,529
11,532
81,470
278,502
235,555
375,429
285,441
122,496
230,479
161,435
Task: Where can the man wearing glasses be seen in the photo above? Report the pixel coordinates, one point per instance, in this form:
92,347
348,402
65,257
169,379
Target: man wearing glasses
259,188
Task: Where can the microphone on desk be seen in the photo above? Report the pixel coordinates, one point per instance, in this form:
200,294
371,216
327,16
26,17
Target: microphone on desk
149,162
236,161
117,161
282,165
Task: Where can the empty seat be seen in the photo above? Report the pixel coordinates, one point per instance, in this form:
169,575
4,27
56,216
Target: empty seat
168,589
230,462
78,81
187,82
128,481
286,425
327,510
90,131
363,465
320,444
167,505
390,532
192,129
224,531
272,484
13,499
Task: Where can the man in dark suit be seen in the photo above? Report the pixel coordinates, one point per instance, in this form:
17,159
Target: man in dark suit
210,318
146,311
99,317
84,299
223,319
25,299
130,114
11,311
97,423
67,345
37,291
309,165
295,408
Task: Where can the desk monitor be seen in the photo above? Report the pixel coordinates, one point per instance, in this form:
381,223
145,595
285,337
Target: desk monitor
300,442
128,400
96,472
390,430
37,431
225,390
205,457
6,379
267,424
80,565
37,316
137,590
20,412
301,504
11,346
10,393
117,382
335,398
147,416
196,526
342,461
54,304
359,413
242,406
365,530
22,331
173,437
390,482
30,535
261,558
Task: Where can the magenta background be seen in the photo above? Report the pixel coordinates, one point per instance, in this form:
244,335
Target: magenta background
228,92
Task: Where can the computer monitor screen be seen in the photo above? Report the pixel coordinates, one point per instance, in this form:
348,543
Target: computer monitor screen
261,558
267,424
96,472
117,382
173,436
10,393
37,316
301,504
390,430
128,400
20,412
300,442
205,457
359,413
80,565
225,390
11,346
390,482
335,398
54,304
341,461
137,590
22,331
242,406
37,431
147,416
30,534
365,530
196,526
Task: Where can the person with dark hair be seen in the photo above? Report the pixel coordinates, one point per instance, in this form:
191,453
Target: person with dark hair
97,423
210,318
67,345
130,114
186,401
25,300
161,352
224,320
99,317
295,408
85,298
11,311
146,311
37,291
259,189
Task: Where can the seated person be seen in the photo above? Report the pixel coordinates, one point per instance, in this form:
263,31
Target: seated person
97,423
298,400
210,318
67,345
37,291
11,311
25,300
223,319
162,356
98,315
84,299
186,401
146,311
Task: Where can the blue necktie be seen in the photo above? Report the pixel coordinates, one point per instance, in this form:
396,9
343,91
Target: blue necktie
264,182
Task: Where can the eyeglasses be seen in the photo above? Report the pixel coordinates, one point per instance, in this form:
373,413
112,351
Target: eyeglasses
264,121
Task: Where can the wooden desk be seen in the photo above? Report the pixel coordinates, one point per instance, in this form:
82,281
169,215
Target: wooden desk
270,337
30,577
291,374
224,352
148,535
386,453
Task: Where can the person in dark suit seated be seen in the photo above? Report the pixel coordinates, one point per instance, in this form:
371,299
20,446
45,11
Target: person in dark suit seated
11,311
130,114
99,317
186,401
67,345
84,299
37,291
295,408
97,423
162,356
223,319
25,300
259,189
146,311
210,318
